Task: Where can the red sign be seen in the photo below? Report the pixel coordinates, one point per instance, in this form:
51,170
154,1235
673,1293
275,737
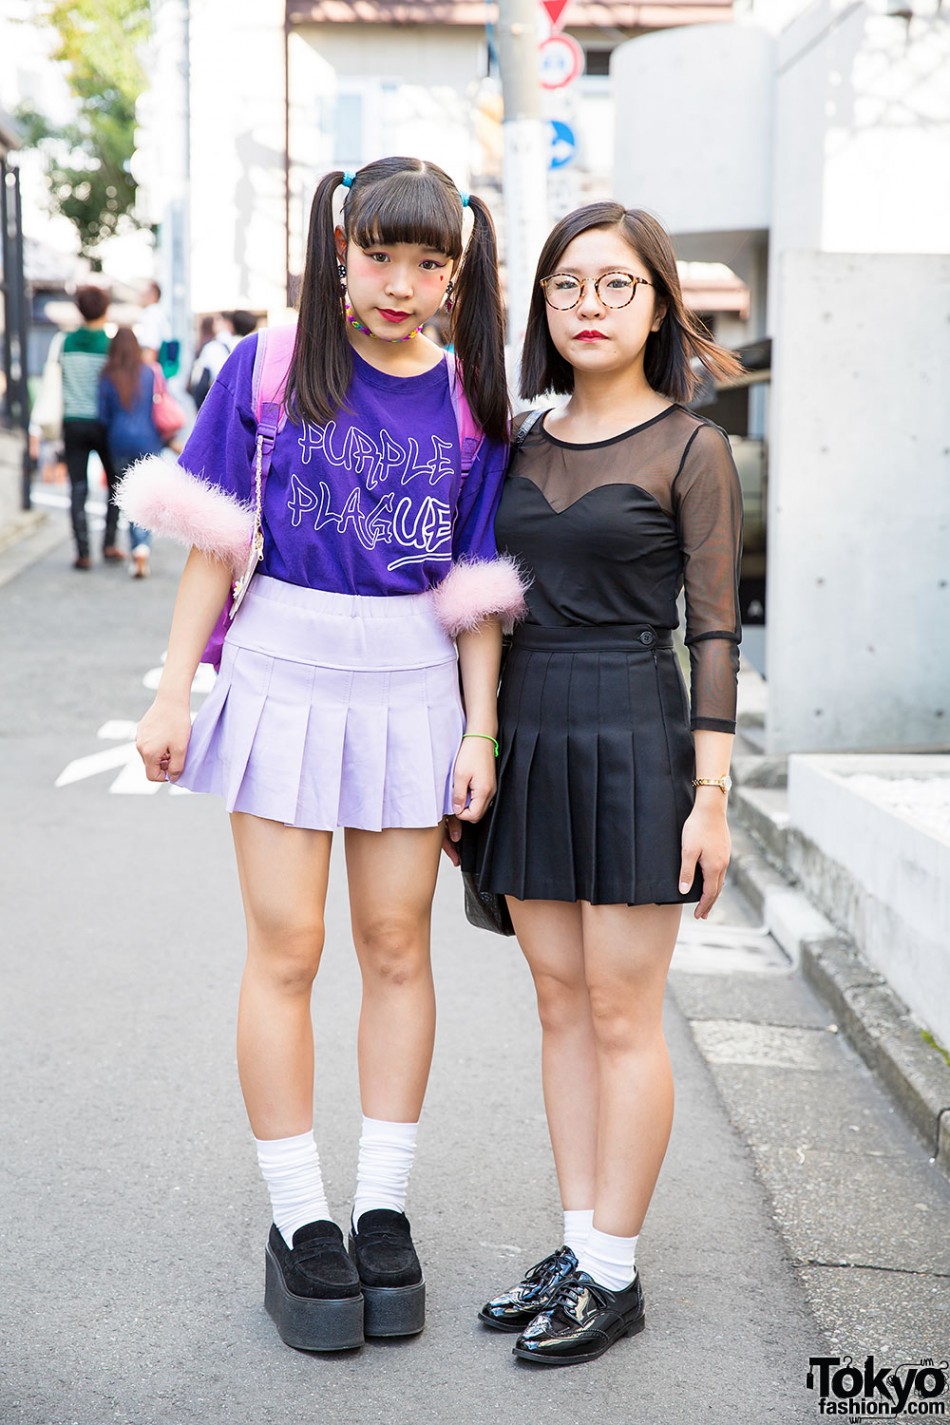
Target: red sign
555,11
562,60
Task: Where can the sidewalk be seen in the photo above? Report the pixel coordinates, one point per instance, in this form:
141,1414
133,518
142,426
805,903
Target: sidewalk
767,868
795,1216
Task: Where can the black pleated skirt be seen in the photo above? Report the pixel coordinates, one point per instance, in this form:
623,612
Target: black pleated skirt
595,772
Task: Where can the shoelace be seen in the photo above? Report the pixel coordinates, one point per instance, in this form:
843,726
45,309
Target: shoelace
569,1294
547,1271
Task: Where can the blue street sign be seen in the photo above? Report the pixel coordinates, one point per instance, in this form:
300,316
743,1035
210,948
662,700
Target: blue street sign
563,144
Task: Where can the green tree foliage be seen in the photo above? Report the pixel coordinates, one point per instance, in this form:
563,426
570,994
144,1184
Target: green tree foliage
99,42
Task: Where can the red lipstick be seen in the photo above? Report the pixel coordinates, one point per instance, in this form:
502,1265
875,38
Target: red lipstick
394,317
590,335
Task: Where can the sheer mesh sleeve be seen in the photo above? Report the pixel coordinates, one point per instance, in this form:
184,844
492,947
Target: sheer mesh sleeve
708,504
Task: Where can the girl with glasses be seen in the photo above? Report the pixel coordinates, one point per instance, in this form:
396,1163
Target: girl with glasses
610,814
337,703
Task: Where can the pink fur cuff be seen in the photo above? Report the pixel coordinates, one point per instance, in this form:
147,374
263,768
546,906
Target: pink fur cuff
476,589
163,497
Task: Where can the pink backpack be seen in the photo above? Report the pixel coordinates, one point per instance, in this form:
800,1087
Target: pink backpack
275,348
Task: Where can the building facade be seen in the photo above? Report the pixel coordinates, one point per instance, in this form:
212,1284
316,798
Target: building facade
281,91
818,184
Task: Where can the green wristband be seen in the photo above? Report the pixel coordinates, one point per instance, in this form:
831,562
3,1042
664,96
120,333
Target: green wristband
492,740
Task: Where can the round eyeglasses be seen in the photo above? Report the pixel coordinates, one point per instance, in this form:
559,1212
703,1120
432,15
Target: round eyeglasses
562,290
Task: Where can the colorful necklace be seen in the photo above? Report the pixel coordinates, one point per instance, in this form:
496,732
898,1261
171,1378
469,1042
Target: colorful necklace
354,321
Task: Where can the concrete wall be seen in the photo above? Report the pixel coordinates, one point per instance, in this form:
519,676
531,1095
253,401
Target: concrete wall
862,133
693,134
870,843
858,646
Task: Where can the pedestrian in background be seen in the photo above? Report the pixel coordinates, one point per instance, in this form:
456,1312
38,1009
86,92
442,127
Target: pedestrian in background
610,814
126,397
153,329
82,359
337,703
226,330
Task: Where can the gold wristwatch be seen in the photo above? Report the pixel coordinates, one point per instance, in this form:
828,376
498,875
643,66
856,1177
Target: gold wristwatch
723,783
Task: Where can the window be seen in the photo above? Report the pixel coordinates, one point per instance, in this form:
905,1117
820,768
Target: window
348,130
596,62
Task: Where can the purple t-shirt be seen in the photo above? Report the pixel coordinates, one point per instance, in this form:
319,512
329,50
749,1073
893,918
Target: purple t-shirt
371,503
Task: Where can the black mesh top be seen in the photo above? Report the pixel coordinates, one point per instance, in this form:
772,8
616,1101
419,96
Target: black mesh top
612,531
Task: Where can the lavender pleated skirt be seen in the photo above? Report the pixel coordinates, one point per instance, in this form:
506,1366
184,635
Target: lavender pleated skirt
331,710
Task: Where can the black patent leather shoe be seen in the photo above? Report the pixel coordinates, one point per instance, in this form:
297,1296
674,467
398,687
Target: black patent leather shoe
516,1308
582,1322
390,1274
312,1290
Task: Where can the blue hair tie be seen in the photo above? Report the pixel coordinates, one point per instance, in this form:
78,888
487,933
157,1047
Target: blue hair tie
347,179
465,199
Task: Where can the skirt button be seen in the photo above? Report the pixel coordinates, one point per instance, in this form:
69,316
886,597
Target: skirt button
646,636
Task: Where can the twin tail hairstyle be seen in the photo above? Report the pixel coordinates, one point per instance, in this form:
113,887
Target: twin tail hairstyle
395,200
673,352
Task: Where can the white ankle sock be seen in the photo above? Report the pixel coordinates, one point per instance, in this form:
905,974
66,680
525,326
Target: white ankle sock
577,1224
291,1169
611,1261
387,1151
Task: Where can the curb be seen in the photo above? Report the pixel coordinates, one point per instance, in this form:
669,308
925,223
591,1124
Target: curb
28,539
869,1014
24,524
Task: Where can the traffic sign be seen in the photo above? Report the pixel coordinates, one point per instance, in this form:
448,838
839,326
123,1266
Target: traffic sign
562,60
563,144
555,11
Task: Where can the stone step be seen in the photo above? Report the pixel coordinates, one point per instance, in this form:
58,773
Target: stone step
763,811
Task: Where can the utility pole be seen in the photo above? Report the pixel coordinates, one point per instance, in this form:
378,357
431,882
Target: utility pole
172,81
525,164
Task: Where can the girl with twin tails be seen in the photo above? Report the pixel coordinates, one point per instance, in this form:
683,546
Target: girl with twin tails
337,702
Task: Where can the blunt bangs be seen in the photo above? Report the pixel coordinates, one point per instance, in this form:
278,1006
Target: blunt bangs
410,207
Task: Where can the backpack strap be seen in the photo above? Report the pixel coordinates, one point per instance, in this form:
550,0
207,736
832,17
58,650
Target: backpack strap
471,434
275,348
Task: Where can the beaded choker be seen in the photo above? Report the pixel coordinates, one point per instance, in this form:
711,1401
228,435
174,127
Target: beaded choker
354,321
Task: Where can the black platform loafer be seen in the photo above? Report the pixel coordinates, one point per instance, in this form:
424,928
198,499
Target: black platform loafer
312,1290
516,1308
582,1322
390,1275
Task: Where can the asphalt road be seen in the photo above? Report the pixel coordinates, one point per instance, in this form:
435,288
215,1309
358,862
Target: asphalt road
795,1216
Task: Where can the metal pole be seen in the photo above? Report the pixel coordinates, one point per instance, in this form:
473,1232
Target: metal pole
22,339
172,34
525,161
6,286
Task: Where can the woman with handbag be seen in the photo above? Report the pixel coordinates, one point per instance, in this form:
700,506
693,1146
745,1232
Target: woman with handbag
127,391
337,702
610,814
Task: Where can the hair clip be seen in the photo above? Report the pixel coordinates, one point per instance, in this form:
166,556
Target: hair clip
465,198
347,179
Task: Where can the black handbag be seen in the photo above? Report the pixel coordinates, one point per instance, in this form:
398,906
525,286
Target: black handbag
484,909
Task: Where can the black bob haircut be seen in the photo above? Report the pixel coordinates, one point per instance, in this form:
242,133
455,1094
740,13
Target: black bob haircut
670,351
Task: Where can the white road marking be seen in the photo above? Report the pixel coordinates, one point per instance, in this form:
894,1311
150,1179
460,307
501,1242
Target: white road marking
131,780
